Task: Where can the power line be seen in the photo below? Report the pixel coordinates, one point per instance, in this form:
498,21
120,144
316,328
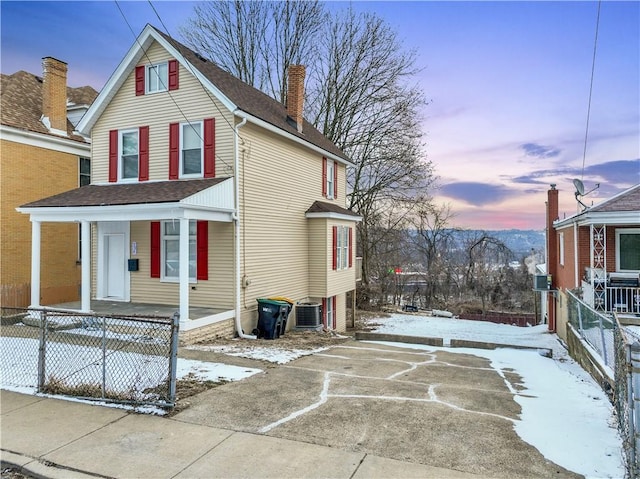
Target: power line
164,85
593,67
190,67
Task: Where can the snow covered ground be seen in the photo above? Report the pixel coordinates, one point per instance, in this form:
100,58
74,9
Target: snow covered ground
273,355
565,413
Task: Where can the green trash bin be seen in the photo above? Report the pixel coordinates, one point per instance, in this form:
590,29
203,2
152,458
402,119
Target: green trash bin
271,314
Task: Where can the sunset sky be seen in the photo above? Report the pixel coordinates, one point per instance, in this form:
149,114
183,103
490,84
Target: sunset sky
508,84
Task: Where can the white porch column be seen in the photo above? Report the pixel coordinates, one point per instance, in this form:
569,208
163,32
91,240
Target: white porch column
35,264
85,296
184,269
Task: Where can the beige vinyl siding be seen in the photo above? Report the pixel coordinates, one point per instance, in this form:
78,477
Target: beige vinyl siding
342,280
318,259
158,110
341,312
280,180
217,292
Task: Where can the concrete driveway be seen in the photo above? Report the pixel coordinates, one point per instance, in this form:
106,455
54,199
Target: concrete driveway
439,408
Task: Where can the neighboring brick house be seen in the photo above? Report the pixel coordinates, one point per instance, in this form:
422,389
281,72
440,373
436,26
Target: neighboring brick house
596,252
40,155
191,166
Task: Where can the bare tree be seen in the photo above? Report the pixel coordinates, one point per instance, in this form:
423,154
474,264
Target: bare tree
360,92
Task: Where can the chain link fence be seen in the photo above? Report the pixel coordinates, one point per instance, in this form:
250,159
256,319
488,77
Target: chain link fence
122,359
627,396
594,327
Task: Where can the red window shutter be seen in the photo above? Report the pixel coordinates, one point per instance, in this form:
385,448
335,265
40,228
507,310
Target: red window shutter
324,176
334,312
335,247
143,171
113,156
335,180
209,148
202,250
350,247
140,72
174,150
155,249
324,312
173,74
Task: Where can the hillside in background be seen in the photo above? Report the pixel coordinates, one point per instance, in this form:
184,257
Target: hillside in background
520,242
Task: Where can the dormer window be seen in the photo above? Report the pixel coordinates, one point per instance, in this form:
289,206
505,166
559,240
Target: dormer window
157,77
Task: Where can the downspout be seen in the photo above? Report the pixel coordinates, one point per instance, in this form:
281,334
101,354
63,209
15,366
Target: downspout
236,222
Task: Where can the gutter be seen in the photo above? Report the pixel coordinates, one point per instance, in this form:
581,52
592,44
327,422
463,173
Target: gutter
236,222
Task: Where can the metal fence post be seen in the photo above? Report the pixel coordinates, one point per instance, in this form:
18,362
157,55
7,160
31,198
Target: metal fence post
104,357
173,356
42,348
634,407
604,346
579,308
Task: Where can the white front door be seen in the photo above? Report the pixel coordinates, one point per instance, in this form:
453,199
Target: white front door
113,252
114,263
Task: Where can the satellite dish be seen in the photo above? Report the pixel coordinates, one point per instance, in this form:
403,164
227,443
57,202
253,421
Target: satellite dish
579,187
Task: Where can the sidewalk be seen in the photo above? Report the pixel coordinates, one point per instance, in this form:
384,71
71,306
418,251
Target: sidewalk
54,438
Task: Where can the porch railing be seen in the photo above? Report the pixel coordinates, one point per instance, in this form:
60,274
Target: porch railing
622,300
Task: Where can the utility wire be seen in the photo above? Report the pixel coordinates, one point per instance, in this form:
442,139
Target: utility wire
164,85
593,67
190,67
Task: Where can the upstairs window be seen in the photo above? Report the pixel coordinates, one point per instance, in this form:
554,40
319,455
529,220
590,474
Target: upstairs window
191,157
329,179
192,149
157,78
128,164
85,172
129,154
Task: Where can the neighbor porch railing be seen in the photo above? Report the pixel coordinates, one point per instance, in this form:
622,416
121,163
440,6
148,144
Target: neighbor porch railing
622,300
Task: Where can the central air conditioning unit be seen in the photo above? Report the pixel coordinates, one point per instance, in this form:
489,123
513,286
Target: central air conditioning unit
541,282
308,316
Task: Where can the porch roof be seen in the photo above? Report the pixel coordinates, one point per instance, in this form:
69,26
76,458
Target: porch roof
207,198
322,209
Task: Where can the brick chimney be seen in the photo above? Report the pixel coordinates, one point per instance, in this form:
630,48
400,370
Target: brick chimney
295,94
54,95
552,253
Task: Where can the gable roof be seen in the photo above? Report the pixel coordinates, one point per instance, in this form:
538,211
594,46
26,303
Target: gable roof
126,193
21,103
623,209
238,96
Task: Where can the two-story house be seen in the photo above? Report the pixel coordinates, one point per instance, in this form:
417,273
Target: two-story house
597,253
40,155
205,194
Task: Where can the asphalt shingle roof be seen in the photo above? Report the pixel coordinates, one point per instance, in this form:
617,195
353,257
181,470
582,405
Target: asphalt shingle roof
324,207
627,201
127,193
21,102
252,100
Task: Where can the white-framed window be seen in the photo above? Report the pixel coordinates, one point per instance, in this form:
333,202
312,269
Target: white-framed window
191,150
331,187
343,247
628,249
157,77
561,249
329,313
129,154
170,246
